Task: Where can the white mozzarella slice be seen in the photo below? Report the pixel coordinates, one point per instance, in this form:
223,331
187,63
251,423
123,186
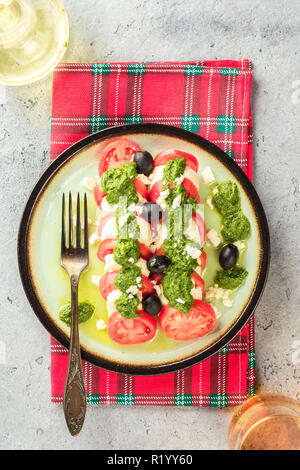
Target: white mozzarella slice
111,301
109,229
110,264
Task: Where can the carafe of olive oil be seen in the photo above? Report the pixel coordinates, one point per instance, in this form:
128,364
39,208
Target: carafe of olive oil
33,38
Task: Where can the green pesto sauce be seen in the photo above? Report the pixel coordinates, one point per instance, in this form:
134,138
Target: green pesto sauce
127,305
175,250
227,200
126,250
232,278
127,277
174,169
177,284
235,227
85,312
118,182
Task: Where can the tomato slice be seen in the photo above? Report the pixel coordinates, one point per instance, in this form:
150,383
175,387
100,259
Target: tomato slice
200,320
106,247
115,153
131,330
191,189
203,259
141,188
155,191
98,194
159,251
147,287
145,251
107,283
103,221
156,277
198,281
164,157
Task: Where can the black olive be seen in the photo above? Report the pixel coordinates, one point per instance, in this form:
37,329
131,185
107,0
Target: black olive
152,212
157,264
152,304
228,256
144,162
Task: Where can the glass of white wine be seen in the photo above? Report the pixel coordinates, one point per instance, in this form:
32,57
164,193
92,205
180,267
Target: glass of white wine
33,38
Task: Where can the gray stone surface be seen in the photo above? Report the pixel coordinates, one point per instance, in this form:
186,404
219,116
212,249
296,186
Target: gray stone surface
269,34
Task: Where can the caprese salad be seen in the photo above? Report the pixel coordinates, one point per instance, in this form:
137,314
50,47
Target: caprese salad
152,239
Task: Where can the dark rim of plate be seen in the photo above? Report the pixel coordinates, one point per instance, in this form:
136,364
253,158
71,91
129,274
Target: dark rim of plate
145,129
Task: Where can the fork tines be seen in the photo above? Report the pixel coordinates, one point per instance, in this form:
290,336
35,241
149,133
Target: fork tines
70,243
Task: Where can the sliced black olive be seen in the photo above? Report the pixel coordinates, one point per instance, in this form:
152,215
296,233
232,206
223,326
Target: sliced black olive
144,162
157,264
152,212
152,304
228,256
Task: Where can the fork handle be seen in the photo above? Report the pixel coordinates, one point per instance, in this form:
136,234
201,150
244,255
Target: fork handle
74,394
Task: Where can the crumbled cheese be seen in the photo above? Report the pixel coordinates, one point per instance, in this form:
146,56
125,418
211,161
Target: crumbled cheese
176,201
207,175
179,180
100,325
94,238
161,199
216,292
196,293
132,290
213,237
89,183
240,245
192,251
130,296
180,301
95,279
131,260
215,190
139,281
209,203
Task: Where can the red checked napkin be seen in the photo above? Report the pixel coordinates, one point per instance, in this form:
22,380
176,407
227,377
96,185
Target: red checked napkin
210,98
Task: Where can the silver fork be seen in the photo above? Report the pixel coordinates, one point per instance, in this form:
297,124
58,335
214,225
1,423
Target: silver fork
74,259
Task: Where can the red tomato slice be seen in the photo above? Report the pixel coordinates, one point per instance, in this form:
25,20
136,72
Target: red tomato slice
106,247
131,330
156,277
164,157
155,191
203,258
107,284
199,282
201,226
145,251
115,153
147,287
159,251
98,194
200,320
140,188
103,221
191,189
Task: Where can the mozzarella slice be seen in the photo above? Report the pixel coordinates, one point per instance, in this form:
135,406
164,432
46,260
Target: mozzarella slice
109,229
111,301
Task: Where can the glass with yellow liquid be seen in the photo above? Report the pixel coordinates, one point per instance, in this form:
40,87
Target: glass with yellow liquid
266,422
33,38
